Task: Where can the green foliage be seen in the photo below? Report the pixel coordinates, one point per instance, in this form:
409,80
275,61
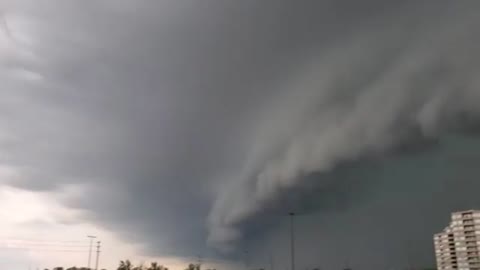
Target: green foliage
156,266
125,265
194,266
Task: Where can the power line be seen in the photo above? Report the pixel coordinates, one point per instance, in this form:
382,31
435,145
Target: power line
42,245
43,250
40,240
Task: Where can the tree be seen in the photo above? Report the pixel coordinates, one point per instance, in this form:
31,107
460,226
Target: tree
155,266
194,266
125,265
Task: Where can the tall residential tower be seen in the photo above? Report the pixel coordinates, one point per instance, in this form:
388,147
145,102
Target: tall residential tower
458,245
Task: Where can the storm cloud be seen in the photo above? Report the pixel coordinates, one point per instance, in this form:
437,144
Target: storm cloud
193,127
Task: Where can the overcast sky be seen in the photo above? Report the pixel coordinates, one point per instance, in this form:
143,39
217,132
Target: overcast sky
179,129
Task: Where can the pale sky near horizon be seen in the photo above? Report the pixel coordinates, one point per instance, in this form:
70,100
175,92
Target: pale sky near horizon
36,231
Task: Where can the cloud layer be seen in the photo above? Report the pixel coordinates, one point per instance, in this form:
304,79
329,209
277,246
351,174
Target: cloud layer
190,124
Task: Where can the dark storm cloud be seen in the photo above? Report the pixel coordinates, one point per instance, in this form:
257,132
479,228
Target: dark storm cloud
384,209
190,122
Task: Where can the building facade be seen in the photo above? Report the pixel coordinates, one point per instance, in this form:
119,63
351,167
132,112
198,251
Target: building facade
458,245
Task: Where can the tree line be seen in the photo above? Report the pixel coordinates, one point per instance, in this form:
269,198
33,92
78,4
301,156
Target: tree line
127,265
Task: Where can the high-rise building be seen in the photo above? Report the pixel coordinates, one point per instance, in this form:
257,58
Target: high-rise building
458,245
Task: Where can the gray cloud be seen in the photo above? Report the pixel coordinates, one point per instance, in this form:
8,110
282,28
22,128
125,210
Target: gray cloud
419,91
199,122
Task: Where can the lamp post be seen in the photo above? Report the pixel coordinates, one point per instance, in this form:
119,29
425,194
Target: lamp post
292,240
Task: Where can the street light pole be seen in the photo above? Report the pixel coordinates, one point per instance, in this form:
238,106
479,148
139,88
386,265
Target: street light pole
292,240
270,258
90,249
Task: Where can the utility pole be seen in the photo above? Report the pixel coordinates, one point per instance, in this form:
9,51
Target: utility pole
271,261
90,250
292,240
98,255
347,263
409,256
199,262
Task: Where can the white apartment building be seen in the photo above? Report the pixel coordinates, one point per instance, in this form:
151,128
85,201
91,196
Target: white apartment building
458,245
